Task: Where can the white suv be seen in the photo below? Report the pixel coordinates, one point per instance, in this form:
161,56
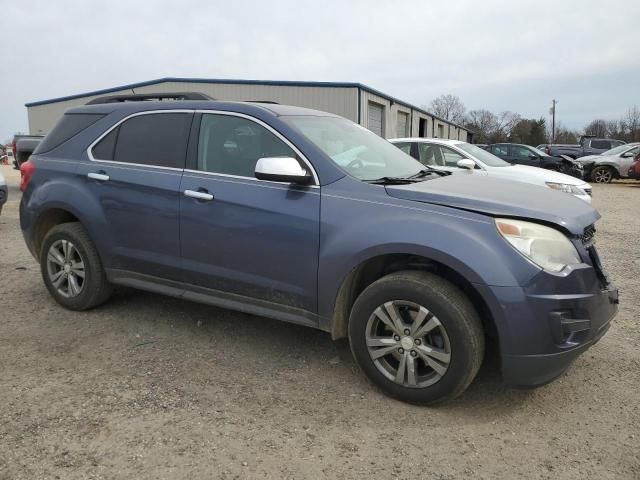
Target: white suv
457,156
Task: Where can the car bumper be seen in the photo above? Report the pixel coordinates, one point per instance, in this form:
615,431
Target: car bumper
541,334
529,371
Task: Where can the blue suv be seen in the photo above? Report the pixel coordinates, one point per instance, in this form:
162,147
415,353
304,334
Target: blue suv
306,217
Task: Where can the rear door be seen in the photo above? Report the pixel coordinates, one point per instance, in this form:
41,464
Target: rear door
240,235
135,171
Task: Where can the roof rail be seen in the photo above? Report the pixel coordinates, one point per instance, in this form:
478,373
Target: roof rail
141,97
262,101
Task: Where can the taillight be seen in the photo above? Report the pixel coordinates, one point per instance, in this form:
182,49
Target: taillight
26,171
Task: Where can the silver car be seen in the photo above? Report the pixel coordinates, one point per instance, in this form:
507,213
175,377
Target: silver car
611,164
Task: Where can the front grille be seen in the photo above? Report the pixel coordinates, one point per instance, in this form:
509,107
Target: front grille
588,236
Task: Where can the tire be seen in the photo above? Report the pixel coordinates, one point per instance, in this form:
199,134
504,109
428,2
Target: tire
91,290
453,325
602,174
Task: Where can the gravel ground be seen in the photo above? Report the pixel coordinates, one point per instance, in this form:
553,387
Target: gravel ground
154,387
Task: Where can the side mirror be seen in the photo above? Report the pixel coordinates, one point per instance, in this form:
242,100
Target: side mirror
466,164
532,156
627,155
281,169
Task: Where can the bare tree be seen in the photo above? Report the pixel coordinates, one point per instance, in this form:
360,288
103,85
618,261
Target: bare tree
506,122
597,127
482,123
448,107
632,123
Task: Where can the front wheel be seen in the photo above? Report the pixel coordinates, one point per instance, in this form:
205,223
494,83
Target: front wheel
602,175
417,337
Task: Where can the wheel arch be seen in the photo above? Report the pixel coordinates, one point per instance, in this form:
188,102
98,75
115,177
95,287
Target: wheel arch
375,267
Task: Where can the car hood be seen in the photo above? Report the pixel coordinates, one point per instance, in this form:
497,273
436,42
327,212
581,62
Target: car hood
589,158
535,175
496,197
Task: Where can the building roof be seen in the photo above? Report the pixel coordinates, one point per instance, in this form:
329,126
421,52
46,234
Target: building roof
278,83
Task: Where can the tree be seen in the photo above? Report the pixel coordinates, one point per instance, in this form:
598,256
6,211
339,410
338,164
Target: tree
448,107
529,131
564,135
597,127
631,123
482,123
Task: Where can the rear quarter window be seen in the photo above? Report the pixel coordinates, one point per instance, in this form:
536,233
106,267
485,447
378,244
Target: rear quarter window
68,126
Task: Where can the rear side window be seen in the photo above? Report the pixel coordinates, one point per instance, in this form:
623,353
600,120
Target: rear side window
158,139
600,144
69,125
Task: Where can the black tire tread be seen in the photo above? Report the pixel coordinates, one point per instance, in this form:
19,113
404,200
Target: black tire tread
99,290
465,312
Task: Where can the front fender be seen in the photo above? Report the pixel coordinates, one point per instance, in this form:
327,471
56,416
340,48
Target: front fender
354,230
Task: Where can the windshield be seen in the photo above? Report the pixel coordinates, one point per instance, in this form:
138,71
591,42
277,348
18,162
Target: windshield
355,149
540,153
619,149
483,156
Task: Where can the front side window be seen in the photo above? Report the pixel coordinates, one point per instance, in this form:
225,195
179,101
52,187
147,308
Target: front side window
520,152
232,145
430,154
451,157
500,150
404,146
158,139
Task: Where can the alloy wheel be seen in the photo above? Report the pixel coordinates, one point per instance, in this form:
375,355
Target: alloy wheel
602,175
408,344
65,268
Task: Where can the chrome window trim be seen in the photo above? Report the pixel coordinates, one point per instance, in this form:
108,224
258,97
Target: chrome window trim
316,183
121,121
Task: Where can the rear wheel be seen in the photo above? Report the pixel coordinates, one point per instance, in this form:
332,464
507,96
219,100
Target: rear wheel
602,174
417,337
71,268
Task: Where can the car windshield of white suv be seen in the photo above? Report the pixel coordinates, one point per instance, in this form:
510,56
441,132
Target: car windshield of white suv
358,151
482,155
619,149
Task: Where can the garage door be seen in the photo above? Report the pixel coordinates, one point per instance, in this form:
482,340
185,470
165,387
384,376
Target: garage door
403,122
375,118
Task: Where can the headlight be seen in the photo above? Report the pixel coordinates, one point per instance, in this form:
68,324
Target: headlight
544,246
566,188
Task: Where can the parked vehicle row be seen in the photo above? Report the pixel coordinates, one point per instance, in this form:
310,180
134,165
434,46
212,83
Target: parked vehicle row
611,164
220,202
520,154
457,156
589,145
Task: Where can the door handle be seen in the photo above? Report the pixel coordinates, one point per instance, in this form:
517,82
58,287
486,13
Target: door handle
199,195
98,176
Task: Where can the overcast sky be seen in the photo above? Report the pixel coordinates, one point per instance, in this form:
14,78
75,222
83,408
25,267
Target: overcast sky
514,55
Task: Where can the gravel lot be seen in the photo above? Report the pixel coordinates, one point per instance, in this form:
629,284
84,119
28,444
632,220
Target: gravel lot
154,387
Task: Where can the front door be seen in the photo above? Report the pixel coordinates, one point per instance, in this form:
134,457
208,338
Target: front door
134,171
241,235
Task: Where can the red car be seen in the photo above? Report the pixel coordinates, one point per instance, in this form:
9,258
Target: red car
634,169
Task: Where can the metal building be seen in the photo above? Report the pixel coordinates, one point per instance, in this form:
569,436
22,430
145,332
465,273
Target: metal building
381,113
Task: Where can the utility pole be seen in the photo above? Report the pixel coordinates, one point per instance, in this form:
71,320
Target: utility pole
552,111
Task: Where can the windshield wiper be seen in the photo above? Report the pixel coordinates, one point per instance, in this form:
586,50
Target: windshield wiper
428,171
392,180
